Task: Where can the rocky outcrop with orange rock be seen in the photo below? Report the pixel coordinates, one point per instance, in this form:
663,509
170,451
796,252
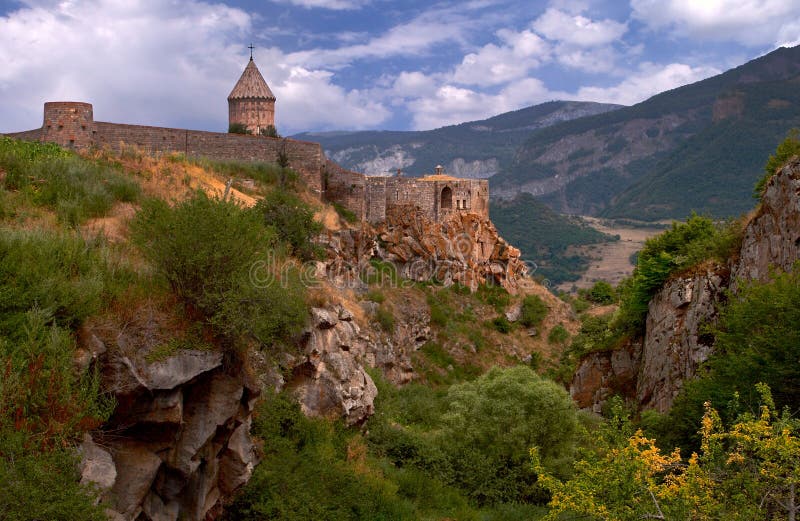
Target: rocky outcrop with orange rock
465,248
676,341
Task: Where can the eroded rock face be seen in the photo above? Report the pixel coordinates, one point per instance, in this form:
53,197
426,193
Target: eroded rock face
180,436
330,380
674,344
465,248
772,239
604,374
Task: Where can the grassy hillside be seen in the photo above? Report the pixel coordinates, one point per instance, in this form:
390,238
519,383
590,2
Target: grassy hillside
697,147
544,237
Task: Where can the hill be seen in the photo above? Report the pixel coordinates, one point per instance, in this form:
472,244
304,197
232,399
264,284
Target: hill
472,149
698,147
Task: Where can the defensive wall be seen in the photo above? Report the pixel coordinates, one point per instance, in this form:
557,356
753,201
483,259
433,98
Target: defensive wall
72,125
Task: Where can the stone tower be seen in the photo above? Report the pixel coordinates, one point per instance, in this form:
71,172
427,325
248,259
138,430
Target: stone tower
69,124
251,102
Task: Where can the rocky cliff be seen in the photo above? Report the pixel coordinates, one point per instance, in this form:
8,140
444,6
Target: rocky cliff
675,341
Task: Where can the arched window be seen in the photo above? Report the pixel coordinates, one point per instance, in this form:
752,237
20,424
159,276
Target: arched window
447,198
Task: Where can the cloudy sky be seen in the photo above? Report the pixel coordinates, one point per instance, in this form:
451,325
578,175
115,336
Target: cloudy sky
367,64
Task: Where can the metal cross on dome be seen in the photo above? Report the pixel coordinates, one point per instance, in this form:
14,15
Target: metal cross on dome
251,47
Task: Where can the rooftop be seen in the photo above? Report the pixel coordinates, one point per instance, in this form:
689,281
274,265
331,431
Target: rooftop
251,85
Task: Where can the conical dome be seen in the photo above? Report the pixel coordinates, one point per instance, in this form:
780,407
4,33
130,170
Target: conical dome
251,85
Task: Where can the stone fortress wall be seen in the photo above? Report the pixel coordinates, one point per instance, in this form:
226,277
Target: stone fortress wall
72,125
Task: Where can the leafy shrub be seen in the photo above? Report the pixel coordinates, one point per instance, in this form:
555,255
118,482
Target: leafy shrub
269,131
375,296
601,293
491,424
682,246
533,311
238,128
306,473
270,174
788,148
75,188
501,324
494,295
385,319
292,220
217,257
42,485
558,335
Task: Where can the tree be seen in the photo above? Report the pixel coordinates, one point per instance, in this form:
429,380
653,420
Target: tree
746,472
788,148
491,422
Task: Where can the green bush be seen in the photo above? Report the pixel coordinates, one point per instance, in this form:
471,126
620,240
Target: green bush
491,424
75,188
345,213
494,295
558,335
238,128
682,246
385,319
218,258
501,325
305,473
601,293
42,485
269,131
533,311
292,220
788,148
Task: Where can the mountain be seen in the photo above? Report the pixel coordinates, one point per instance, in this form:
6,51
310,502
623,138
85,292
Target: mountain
472,149
698,147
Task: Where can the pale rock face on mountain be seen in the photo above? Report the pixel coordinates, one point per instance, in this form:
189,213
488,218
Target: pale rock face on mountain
675,343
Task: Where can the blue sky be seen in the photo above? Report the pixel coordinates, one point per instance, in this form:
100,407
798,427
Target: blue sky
367,64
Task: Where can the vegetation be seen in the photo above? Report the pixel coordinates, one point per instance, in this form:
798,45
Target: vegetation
292,221
681,247
756,340
238,128
51,177
787,149
219,258
601,293
748,471
533,311
269,131
345,213
544,237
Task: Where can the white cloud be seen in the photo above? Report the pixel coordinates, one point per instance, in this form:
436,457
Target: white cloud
336,5
450,105
155,63
311,100
649,80
749,22
578,30
517,54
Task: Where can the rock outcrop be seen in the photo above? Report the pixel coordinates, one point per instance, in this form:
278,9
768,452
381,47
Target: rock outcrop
772,238
675,342
464,249
329,379
178,441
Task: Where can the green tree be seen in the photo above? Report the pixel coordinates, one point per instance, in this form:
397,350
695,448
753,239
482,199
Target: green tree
491,423
533,311
219,258
787,149
292,220
238,128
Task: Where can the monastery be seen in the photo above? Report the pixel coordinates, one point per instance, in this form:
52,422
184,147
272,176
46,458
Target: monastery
251,106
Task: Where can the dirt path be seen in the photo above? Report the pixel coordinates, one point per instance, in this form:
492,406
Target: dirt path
612,259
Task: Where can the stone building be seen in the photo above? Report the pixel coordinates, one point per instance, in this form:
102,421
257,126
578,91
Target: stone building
251,102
